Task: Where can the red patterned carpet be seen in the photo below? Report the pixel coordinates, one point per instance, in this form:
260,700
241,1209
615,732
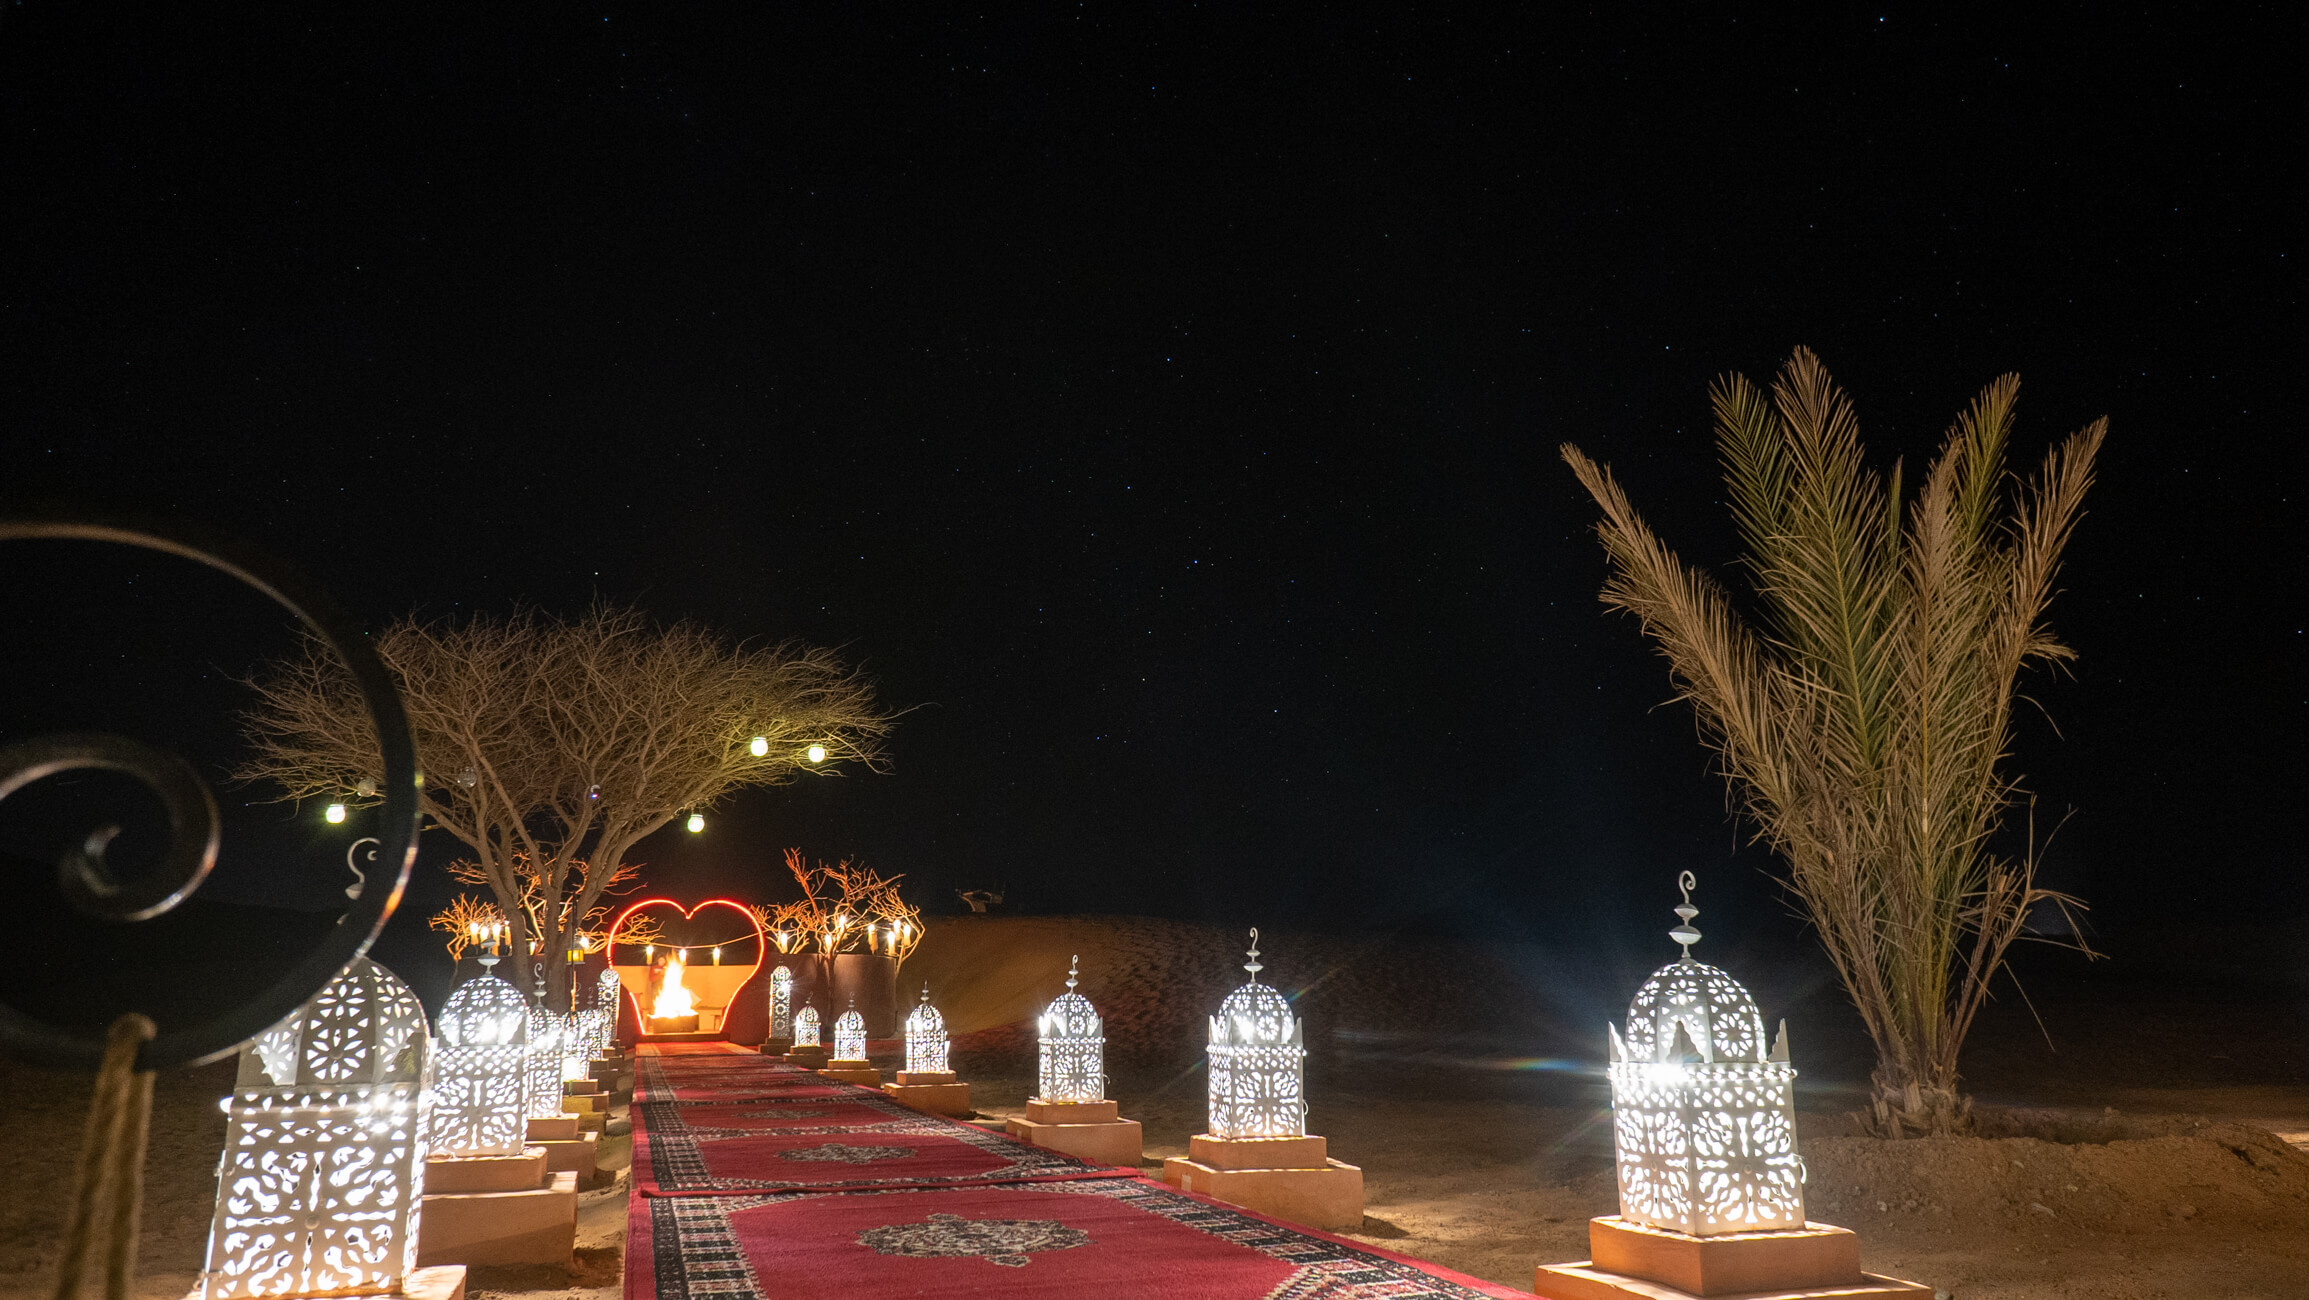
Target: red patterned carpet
781,1184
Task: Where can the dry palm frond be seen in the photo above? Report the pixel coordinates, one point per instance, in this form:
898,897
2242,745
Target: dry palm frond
1864,725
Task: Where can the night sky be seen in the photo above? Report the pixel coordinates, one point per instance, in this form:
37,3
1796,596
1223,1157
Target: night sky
1164,406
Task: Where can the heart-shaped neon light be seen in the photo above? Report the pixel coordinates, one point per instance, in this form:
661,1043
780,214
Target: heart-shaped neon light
761,947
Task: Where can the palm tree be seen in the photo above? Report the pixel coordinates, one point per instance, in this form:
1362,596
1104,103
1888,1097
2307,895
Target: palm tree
1863,720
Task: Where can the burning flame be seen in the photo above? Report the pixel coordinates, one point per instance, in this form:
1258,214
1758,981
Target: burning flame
672,999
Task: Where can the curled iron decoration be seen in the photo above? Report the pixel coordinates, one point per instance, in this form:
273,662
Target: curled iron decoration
92,887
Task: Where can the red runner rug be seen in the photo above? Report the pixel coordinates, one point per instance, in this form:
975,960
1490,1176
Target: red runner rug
1113,1239
862,1110
916,1151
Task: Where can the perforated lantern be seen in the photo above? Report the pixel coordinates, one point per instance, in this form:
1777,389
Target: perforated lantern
1073,1047
782,1003
606,991
806,1027
1258,1062
547,1029
325,1146
1704,1116
850,1036
926,1050
480,1070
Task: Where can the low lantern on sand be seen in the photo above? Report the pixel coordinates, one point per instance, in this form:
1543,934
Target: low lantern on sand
325,1147
1070,1112
850,1064
806,1051
927,1082
1711,1186
1258,1153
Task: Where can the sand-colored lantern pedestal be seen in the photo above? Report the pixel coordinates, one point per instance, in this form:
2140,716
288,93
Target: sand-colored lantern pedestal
1291,1178
496,1210
932,1090
1088,1130
1814,1262
777,1046
810,1056
566,1146
439,1282
855,1071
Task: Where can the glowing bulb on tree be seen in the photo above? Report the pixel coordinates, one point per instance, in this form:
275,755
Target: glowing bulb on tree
760,747
335,814
696,823
817,753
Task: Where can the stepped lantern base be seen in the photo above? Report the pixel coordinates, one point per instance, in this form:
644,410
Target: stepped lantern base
852,1070
810,1056
497,1210
1634,1261
1290,1178
1087,1130
936,1091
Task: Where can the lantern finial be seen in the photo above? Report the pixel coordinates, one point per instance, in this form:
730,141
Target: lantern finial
1073,965
1684,933
1253,965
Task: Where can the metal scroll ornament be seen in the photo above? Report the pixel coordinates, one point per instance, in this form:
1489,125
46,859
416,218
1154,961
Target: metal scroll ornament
90,885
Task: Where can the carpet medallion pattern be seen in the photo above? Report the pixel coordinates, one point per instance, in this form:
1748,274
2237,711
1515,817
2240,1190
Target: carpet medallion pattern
1003,1242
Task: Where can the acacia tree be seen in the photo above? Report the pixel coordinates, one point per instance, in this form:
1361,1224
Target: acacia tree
551,747
1862,725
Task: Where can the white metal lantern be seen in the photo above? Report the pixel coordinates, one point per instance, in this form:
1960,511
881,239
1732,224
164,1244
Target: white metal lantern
806,1027
1073,1047
605,998
547,1029
781,1003
850,1036
324,1153
1704,1117
480,1071
926,1039
1258,1063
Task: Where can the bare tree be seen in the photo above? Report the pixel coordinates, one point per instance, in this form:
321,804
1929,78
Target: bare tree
1864,723
843,908
551,747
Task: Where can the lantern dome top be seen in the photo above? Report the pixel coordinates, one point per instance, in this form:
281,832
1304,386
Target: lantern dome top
1070,1014
1256,1014
485,1011
363,1027
1717,1016
924,1018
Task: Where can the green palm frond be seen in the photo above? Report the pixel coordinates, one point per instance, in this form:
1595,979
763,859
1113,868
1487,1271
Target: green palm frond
1865,726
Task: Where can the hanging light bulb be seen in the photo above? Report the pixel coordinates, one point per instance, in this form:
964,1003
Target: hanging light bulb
816,753
760,747
696,822
335,814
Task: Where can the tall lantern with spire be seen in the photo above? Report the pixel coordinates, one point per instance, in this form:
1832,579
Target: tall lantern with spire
1258,1153
1258,1062
1704,1116
1069,1111
850,1064
927,1082
1072,1046
926,1048
1711,1187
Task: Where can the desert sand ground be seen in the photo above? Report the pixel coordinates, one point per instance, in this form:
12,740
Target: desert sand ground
2148,1157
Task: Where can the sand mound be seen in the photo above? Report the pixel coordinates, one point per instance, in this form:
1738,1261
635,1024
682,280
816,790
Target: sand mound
2195,1170
1156,982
